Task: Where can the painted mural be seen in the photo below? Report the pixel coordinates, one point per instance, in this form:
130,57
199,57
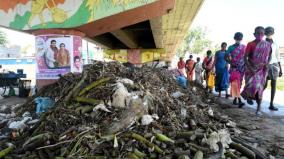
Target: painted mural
41,14
135,56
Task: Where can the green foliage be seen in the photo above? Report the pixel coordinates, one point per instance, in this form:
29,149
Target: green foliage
280,84
3,38
196,42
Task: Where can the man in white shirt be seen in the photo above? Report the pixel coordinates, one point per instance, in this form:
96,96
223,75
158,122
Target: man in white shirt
198,72
51,54
274,67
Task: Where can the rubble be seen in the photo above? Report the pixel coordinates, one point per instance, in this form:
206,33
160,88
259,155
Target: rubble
109,112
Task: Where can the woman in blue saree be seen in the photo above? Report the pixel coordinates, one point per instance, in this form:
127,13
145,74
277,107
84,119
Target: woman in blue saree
221,70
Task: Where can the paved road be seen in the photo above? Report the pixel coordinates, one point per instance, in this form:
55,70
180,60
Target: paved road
278,102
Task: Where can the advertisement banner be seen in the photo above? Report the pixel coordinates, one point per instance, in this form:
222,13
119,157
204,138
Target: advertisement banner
53,54
76,62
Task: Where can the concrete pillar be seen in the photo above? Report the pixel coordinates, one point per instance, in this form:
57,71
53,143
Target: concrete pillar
58,52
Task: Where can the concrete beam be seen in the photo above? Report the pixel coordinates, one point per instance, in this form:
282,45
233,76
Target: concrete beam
97,43
156,27
127,18
126,37
103,41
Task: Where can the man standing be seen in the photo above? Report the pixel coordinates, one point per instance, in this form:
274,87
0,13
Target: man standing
51,54
198,72
274,67
189,66
256,61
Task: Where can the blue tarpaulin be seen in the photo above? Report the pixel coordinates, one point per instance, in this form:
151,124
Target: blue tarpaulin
43,104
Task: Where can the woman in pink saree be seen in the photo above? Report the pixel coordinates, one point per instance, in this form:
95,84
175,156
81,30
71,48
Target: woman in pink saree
256,61
235,57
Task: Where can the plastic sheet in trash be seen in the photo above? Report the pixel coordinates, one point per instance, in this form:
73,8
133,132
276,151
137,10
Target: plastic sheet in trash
43,104
182,81
177,94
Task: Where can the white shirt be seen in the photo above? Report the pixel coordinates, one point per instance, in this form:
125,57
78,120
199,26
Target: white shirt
198,67
275,54
77,70
49,57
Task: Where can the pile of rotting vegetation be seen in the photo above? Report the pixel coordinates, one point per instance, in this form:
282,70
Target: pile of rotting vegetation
110,112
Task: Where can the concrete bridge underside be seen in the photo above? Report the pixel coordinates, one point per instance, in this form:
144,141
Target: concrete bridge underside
128,24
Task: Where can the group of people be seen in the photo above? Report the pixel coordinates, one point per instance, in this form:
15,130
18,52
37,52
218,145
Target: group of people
256,63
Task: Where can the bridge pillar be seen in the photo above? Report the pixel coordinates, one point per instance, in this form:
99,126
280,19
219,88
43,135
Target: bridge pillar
58,52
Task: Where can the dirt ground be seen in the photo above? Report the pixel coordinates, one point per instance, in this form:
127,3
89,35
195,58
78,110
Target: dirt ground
12,101
266,131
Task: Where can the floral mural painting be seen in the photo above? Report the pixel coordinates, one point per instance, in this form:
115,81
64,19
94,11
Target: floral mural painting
58,15
43,14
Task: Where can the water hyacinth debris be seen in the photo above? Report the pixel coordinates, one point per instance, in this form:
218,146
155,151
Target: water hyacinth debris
98,114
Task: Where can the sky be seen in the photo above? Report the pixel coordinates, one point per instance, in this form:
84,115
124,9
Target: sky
223,18
19,38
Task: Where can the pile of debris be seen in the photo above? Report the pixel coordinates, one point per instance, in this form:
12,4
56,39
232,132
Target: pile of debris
111,111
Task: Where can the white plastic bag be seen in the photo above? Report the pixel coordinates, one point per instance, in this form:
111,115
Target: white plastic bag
120,95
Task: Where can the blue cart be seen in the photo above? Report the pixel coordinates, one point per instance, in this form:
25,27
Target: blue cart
13,80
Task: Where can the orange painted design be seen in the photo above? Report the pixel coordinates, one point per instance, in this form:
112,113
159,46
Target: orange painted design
11,4
51,4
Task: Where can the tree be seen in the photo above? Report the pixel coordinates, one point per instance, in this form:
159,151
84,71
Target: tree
195,42
3,38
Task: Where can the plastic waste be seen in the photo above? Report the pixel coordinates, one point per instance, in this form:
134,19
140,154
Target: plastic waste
177,94
20,125
33,121
210,112
120,95
222,135
43,104
183,112
125,81
146,119
155,116
182,81
101,107
26,114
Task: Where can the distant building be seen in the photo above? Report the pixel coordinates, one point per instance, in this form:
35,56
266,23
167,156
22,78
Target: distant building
28,64
10,52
